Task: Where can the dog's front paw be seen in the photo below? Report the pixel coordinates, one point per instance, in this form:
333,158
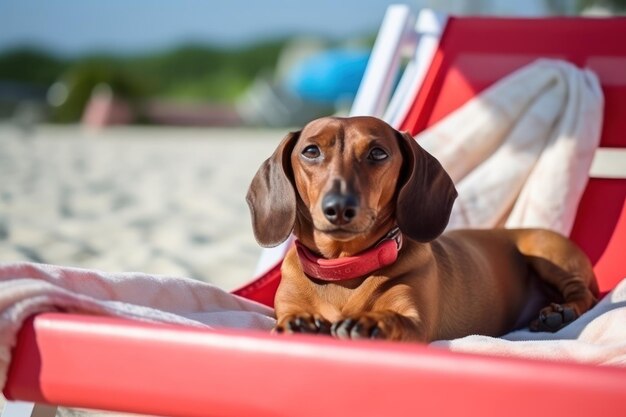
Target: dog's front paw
303,323
380,325
553,318
365,326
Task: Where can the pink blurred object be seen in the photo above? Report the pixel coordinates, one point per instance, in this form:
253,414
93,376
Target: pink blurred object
104,109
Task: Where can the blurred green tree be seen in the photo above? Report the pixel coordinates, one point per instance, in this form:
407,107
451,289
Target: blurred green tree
31,66
187,73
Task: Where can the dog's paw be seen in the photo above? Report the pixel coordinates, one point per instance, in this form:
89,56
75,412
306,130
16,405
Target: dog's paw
303,323
359,327
553,318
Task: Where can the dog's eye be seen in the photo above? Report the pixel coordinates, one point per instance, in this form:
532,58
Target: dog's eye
311,152
377,154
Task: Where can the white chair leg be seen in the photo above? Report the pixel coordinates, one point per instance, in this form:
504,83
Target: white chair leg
428,30
24,409
396,30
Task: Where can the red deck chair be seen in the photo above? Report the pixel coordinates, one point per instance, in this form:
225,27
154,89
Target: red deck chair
102,363
476,52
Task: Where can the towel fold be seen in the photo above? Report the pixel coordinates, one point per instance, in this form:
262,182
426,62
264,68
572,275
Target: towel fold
29,288
597,337
520,152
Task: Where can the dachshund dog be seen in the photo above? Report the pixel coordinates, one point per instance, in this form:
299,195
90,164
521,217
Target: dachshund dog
368,207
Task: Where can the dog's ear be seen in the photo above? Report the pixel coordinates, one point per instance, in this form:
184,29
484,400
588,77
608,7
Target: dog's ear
426,193
271,196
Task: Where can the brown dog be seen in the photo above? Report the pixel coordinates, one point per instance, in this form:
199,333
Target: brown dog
345,186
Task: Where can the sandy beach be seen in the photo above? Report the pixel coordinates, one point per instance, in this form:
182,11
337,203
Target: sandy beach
159,200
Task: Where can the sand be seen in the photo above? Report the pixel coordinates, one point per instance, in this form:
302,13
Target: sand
159,200
167,201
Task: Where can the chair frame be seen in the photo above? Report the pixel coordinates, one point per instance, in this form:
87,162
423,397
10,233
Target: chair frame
242,373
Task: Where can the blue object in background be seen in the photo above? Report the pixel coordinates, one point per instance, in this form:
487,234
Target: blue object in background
328,77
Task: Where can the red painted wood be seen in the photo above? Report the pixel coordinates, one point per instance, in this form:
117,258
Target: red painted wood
476,52
263,288
115,364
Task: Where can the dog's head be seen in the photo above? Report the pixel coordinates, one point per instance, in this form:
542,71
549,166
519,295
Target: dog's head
349,178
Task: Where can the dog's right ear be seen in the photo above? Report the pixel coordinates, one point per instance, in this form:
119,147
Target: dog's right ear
271,196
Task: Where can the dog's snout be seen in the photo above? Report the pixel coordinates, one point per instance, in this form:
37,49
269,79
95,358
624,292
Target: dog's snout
339,208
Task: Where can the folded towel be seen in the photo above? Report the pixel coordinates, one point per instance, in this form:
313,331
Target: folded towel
520,152
597,337
28,288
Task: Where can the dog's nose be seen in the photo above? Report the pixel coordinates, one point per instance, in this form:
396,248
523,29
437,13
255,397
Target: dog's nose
339,208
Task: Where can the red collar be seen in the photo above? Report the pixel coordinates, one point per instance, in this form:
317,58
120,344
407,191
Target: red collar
382,254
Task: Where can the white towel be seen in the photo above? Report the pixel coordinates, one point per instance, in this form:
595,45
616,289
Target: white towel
29,288
597,337
520,152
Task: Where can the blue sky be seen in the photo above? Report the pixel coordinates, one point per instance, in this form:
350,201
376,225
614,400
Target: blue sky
73,27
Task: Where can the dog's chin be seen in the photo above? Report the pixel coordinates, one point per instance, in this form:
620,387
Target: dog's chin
340,234
345,233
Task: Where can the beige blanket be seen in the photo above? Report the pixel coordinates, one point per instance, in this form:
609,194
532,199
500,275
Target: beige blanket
520,152
597,337
29,288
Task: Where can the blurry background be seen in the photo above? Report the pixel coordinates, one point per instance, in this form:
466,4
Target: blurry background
129,131
203,63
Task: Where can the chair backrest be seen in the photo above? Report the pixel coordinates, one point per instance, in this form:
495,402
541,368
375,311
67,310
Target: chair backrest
475,52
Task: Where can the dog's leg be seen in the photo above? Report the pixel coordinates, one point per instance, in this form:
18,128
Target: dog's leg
296,304
564,267
379,325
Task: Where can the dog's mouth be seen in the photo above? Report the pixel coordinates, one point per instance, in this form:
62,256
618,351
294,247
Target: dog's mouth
347,232
344,233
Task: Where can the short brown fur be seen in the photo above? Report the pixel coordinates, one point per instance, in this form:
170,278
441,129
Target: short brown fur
442,286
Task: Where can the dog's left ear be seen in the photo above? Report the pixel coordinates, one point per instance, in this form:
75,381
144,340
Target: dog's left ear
271,196
426,194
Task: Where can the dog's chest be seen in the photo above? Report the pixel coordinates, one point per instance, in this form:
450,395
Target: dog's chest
338,300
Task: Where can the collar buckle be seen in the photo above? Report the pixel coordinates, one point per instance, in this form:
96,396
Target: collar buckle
395,235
